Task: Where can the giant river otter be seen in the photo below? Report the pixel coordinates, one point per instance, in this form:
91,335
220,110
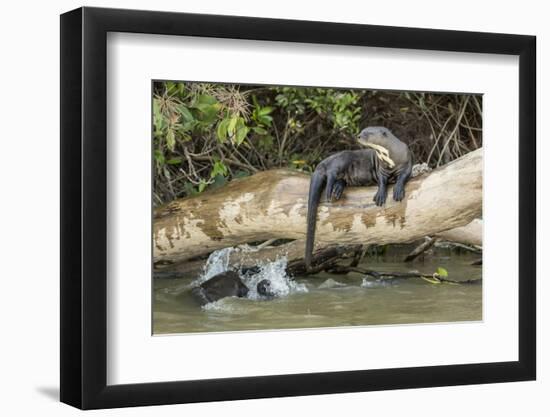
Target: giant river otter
228,284
387,160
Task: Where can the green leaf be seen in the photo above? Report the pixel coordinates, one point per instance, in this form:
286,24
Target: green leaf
170,139
219,168
241,131
222,130
158,118
189,188
202,186
208,107
232,124
174,161
241,135
185,113
266,120
181,89
266,143
259,130
219,181
206,100
265,111
209,116
170,87
159,157
442,272
188,126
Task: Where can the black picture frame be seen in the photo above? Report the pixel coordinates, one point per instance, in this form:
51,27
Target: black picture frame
84,207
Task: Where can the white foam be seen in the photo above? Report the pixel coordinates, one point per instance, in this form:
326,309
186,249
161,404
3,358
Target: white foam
281,284
330,283
222,306
216,263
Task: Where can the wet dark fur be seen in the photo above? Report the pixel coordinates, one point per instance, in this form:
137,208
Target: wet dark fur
358,168
228,284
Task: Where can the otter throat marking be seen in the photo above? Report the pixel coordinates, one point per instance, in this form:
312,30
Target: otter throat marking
382,153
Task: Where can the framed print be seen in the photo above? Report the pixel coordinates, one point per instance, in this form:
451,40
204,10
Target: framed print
257,208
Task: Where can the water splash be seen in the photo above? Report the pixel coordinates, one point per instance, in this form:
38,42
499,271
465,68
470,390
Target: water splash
281,284
216,263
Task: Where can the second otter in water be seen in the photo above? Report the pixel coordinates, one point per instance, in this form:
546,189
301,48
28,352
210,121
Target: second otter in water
228,284
387,160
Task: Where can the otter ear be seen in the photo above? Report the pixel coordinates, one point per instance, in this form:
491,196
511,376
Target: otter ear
384,133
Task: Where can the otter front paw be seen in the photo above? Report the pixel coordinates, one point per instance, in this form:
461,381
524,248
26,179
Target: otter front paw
398,193
338,190
380,198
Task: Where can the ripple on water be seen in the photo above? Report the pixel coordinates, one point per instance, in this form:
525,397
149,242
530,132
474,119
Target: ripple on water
321,300
331,283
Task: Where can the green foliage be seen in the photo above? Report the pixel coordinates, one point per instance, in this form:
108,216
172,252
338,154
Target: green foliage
232,128
261,115
265,143
436,278
338,107
218,169
207,134
181,114
442,272
202,185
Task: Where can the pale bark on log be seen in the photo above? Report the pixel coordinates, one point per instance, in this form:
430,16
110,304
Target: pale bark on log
248,256
470,234
273,205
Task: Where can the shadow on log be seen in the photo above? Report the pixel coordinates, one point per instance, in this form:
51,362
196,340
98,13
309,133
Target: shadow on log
273,205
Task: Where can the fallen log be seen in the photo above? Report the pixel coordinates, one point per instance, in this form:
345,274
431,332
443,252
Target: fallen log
470,234
469,237
273,205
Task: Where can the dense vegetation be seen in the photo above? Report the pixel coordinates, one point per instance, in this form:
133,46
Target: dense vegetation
207,134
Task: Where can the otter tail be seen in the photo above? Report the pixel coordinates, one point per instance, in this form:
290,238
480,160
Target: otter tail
315,189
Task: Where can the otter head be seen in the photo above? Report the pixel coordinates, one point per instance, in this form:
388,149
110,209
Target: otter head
377,139
264,288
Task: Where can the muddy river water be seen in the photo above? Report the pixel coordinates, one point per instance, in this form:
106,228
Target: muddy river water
327,300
